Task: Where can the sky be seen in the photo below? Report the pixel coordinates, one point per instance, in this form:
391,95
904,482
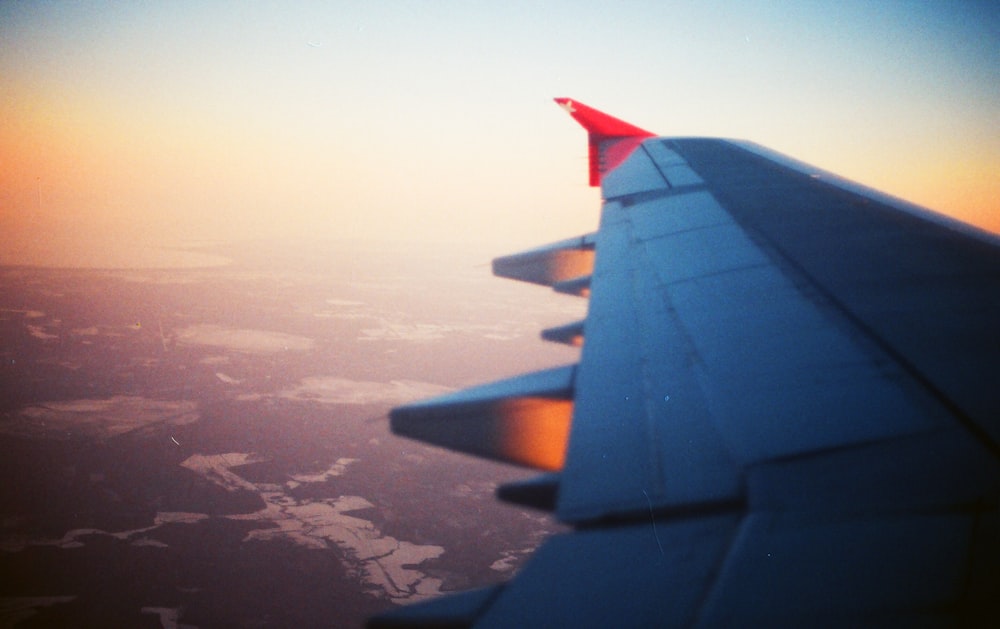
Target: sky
127,126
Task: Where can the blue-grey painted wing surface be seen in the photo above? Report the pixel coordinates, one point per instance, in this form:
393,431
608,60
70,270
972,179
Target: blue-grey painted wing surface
786,409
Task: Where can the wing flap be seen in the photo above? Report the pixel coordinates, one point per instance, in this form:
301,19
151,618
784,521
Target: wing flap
550,264
540,492
523,420
579,286
570,334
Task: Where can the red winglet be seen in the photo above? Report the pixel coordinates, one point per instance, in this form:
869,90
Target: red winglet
610,140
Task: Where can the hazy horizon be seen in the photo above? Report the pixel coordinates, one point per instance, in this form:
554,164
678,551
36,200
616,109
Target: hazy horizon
129,126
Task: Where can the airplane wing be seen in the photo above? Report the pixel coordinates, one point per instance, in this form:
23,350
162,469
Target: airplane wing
786,410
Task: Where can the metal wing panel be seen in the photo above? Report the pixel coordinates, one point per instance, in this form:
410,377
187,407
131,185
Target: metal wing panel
810,420
677,213
927,290
781,377
629,576
698,253
617,464
638,408
636,174
733,354
926,472
794,570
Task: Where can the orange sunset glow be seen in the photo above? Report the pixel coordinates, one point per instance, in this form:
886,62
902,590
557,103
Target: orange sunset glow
165,125
535,431
291,293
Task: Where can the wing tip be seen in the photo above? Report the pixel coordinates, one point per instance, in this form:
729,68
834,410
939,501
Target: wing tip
603,133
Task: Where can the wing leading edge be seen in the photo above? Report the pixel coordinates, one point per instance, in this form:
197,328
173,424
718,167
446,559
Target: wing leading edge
786,409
